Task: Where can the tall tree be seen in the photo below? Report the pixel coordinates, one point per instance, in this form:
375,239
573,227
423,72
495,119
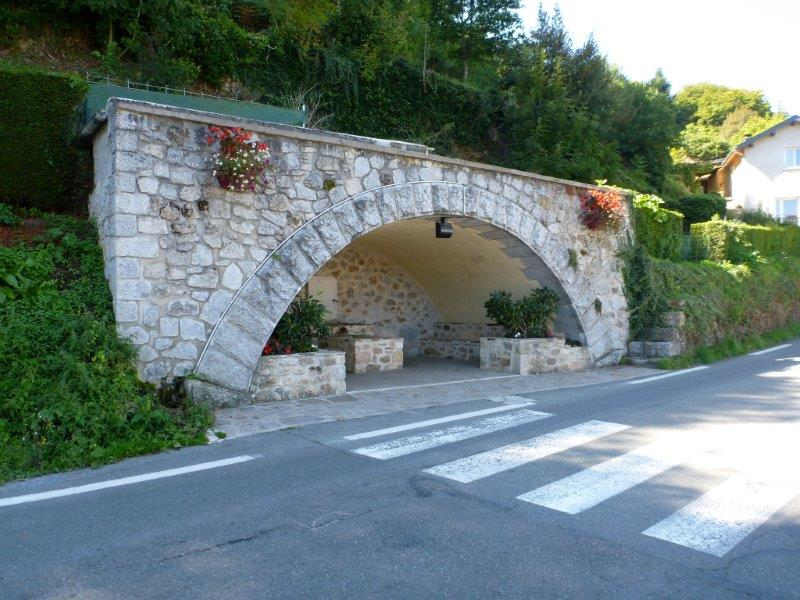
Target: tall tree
475,28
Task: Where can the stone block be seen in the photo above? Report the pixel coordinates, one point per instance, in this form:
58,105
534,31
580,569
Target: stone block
132,289
183,351
217,367
152,225
148,185
232,277
209,279
180,308
168,326
214,396
192,329
132,203
217,303
126,311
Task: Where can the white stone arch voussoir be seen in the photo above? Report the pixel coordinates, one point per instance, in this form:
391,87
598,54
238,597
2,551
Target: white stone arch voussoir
231,353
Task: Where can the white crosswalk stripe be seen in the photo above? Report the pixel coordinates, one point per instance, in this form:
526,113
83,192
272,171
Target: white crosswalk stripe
523,402
724,516
484,464
590,487
456,433
714,523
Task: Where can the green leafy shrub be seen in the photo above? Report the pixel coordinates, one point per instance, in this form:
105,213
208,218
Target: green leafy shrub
7,215
71,396
657,229
739,243
698,208
529,316
755,217
39,167
645,306
299,327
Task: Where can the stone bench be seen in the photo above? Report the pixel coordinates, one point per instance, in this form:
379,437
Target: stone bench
457,341
368,353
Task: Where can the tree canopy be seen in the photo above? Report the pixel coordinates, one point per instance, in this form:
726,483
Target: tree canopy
460,75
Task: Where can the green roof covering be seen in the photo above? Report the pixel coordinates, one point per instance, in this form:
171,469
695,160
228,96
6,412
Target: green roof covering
99,93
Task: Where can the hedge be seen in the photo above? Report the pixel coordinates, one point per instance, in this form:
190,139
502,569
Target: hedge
659,230
698,208
734,241
39,167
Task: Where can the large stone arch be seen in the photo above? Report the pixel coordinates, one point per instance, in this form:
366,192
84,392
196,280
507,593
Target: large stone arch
233,348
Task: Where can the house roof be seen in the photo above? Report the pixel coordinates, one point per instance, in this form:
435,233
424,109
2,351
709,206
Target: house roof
770,131
748,142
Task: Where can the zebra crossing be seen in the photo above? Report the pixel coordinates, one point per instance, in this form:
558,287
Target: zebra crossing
713,523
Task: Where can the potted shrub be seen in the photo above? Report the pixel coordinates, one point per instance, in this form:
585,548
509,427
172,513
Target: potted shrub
529,317
530,346
299,329
291,366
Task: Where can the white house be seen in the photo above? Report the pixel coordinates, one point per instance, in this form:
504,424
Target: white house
763,172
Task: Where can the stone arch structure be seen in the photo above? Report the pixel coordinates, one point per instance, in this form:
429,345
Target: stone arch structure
200,275
230,355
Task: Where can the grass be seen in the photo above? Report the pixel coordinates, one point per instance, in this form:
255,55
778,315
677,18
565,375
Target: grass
731,347
69,392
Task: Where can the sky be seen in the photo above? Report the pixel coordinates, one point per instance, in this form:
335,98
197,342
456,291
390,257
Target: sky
735,43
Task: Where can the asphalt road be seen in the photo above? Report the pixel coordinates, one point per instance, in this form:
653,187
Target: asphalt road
680,487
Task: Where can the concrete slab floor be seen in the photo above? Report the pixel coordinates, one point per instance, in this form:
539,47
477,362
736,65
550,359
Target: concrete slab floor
421,384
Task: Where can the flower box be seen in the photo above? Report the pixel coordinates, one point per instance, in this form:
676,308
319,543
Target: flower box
527,356
299,375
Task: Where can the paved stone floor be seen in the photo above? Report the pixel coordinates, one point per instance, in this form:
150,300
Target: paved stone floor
421,384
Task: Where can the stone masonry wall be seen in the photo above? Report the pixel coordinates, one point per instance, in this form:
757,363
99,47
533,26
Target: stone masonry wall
200,275
301,375
528,356
458,341
366,354
376,292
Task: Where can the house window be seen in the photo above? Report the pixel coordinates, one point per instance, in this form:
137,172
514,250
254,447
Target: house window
791,158
788,210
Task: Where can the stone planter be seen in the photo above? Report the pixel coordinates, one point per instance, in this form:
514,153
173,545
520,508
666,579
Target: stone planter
367,353
527,356
300,375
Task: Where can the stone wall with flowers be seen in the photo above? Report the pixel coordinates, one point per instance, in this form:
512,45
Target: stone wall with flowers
200,275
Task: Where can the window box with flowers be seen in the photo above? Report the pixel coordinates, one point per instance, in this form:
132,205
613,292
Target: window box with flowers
239,164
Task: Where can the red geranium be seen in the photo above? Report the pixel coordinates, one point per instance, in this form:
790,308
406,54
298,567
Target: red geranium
601,208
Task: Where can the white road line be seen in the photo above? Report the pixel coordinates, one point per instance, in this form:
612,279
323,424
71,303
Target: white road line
590,487
773,349
424,385
723,517
456,433
112,483
429,422
673,374
484,464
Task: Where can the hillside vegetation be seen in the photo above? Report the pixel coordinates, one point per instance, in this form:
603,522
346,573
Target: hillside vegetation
70,395
458,75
